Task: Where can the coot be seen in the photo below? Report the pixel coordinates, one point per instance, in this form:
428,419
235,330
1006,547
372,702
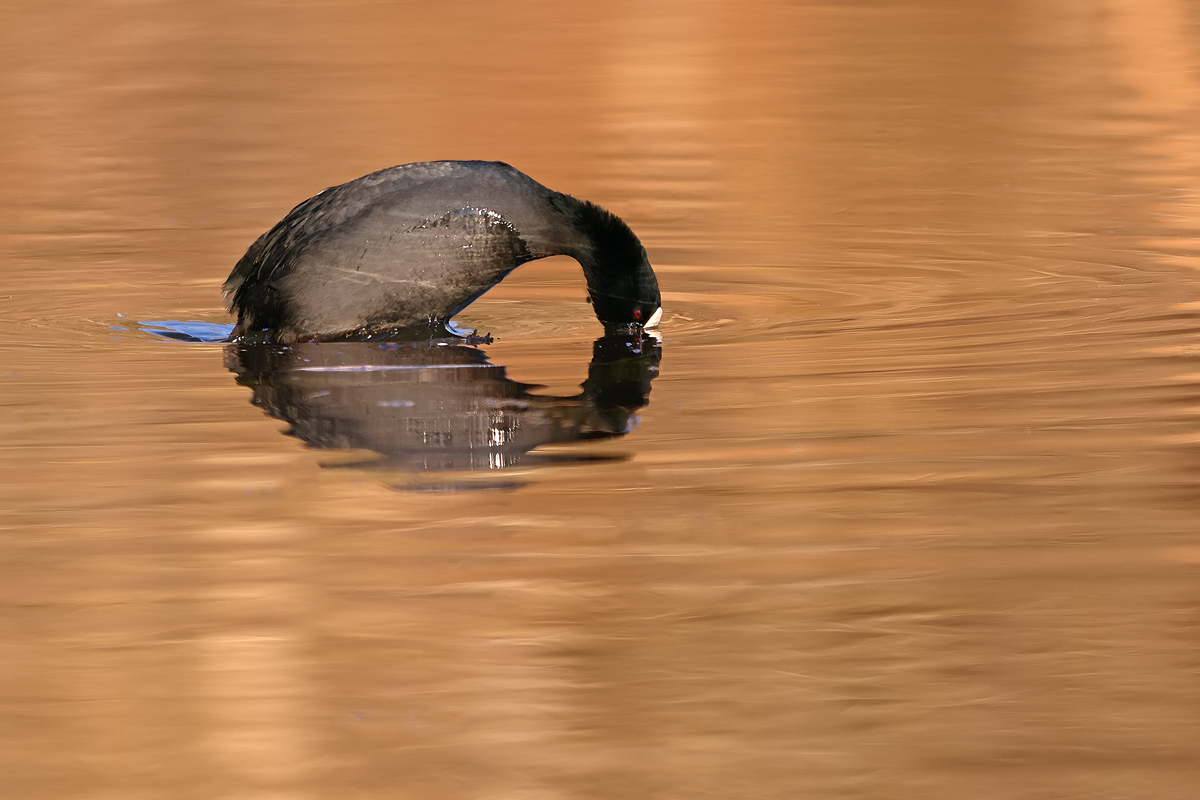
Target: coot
418,243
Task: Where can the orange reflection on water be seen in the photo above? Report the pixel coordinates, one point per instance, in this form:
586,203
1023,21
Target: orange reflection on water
911,510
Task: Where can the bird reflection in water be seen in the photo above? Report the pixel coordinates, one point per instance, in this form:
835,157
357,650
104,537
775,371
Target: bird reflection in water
439,404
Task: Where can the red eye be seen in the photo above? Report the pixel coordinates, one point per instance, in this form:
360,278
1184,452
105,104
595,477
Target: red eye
637,314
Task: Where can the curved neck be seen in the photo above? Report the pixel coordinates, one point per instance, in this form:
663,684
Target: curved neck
613,259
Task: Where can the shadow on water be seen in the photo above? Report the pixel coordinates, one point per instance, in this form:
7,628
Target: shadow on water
429,400
438,405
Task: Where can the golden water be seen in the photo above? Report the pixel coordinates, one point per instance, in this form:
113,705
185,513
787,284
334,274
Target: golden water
912,510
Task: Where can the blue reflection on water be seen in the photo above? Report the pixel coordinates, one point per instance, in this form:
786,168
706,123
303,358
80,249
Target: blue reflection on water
188,331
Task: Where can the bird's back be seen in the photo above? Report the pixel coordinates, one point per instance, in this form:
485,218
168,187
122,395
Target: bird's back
398,246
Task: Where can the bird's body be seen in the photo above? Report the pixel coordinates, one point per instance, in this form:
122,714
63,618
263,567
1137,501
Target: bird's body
417,243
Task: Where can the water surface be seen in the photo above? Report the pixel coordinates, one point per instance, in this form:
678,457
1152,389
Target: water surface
910,509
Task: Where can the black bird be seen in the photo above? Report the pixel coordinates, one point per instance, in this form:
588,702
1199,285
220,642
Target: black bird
417,243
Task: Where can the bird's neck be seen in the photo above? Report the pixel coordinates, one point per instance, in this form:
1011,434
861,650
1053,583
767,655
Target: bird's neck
612,258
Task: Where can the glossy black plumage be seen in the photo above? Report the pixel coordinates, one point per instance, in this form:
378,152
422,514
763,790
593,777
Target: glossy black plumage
418,243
